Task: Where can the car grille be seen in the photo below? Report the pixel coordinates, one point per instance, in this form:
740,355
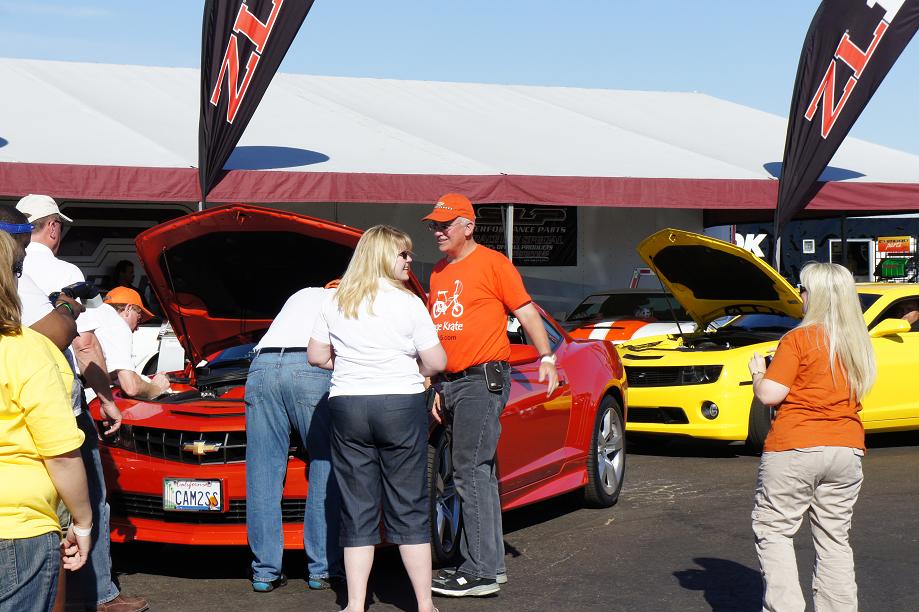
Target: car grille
669,376
653,377
181,446
669,416
151,507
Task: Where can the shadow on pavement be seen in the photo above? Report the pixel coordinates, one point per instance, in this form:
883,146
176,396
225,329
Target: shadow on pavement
726,585
892,440
685,447
550,509
215,562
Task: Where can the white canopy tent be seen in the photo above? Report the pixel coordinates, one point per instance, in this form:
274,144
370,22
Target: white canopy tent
129,133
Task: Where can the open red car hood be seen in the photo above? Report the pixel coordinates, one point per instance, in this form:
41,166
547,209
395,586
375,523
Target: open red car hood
223,274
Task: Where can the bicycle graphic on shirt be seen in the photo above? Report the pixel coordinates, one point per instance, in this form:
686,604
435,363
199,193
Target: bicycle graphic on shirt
443,303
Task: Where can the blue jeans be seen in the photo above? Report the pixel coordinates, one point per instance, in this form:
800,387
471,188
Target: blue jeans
28,572
282,392
94,580
475,430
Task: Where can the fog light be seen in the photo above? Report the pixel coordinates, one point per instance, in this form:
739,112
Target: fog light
710,410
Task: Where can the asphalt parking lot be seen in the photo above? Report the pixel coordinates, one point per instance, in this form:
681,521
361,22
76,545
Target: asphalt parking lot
679,539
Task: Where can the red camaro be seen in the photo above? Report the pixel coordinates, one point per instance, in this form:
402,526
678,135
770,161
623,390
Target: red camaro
176,469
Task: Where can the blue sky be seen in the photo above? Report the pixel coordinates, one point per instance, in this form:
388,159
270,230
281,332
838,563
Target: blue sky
742,51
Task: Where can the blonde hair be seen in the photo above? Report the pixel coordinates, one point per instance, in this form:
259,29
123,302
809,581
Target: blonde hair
373,261
10,306
833,304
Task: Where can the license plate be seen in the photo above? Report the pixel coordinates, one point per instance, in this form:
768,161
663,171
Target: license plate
189,494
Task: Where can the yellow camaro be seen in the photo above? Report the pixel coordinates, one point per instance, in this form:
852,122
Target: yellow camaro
697,384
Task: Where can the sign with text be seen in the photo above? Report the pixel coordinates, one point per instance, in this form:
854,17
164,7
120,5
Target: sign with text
849,48
543,235
894,244
242,45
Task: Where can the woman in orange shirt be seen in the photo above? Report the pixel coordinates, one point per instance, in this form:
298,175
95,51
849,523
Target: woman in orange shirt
812,459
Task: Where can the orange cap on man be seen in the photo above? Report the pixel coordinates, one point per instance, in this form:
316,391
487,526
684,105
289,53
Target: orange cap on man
126,295
451,206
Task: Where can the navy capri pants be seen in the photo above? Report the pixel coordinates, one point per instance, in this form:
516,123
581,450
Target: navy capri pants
379,456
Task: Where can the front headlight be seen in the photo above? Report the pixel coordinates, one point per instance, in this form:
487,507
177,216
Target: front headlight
699,375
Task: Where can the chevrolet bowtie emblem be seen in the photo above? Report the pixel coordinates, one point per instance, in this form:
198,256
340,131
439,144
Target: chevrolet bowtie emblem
201,447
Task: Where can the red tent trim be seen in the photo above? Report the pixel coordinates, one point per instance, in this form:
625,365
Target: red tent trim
124,183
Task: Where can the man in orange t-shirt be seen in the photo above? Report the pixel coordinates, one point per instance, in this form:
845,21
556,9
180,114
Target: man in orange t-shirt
473,289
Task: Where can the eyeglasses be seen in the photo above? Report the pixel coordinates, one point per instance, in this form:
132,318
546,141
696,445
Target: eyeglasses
406,255
435,227
802,289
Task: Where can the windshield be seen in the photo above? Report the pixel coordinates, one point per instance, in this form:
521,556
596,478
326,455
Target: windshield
867,300
628,306
763,322
233,355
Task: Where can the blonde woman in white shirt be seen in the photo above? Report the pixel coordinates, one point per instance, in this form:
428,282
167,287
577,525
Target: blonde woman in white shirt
380,342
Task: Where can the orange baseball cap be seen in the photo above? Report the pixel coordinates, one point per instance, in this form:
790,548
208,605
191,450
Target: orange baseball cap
451,206
126,295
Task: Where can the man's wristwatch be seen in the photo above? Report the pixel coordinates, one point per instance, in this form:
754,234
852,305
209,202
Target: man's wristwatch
550,358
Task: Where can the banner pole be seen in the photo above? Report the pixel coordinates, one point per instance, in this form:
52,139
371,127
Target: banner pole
509,232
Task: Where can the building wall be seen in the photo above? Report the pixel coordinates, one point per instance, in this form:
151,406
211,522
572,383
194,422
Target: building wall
607,238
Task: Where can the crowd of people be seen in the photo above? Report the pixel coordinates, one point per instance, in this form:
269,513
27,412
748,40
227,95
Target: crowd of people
357,369
83,346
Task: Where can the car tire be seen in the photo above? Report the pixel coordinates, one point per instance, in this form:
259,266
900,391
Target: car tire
446,519
606,456
759,425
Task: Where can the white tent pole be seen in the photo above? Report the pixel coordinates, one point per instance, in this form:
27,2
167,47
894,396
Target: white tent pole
509,232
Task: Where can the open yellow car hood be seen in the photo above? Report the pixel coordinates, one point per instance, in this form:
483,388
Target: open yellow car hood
711,278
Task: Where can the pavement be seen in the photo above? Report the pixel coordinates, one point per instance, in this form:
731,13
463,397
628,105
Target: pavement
679,539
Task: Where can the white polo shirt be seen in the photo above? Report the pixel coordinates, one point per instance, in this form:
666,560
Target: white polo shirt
52,274
35,303
35,306
292,326
375,354
115,337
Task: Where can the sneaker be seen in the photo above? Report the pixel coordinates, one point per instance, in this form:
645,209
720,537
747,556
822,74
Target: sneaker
444,573
321,584
461,584
266,587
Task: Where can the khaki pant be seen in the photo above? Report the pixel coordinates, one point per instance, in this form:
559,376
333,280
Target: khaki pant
823,481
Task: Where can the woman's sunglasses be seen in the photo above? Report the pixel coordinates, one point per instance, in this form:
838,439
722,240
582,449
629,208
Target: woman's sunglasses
406,255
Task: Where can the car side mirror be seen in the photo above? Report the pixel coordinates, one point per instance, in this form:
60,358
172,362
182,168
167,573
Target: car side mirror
889,327
523,353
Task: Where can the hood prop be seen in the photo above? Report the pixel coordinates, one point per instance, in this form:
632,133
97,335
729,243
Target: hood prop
188,342
669,296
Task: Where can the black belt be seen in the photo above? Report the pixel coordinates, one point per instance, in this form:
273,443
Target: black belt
476,370
282,349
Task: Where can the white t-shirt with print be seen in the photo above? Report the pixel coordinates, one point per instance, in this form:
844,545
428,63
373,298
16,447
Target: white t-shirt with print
375,354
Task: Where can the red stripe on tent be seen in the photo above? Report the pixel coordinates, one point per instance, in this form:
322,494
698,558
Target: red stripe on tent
122,183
